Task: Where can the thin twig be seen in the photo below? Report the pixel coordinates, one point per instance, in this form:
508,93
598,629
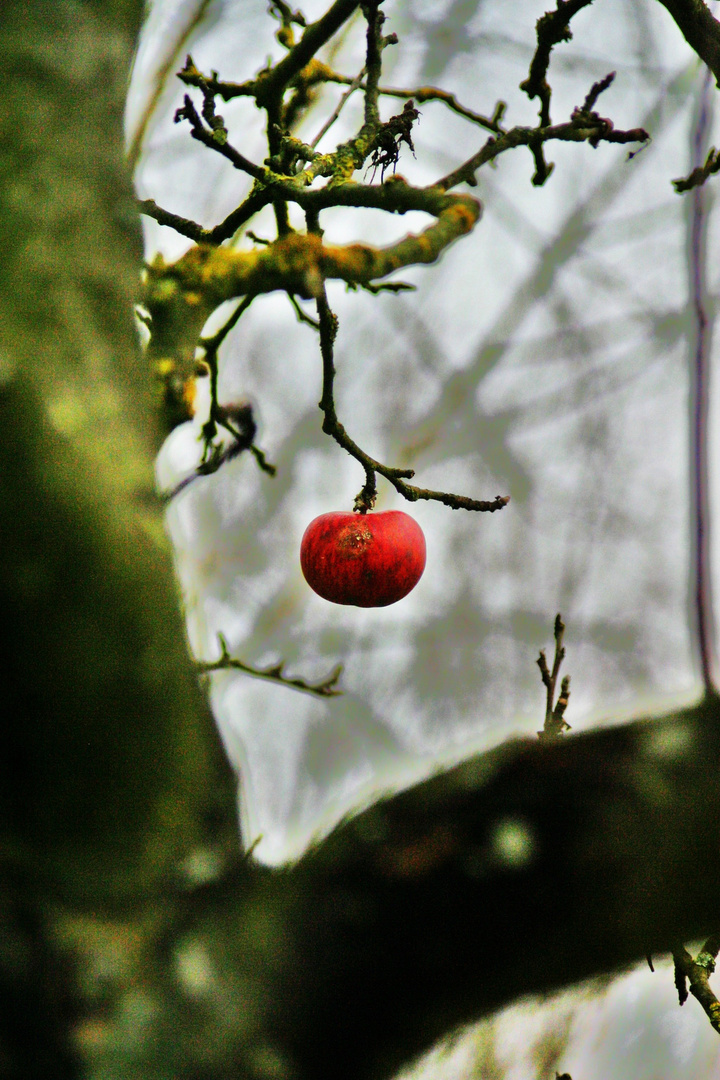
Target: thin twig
373,60
262,461
217,459
160,81
325,688
579,129
271,85
212,344
385,286
288,18
226,90
244,431
206,468
214,139
421,94
595,91
259,240
332,426
302,316
433,93
181,225
257,199
236,419
338,109
699,174
555,722
215,455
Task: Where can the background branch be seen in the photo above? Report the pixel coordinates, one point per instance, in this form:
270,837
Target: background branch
697,971
703,319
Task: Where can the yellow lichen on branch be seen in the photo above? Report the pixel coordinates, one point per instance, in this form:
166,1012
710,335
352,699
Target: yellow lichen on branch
181,296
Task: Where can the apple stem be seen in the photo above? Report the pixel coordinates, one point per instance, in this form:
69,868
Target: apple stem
365,499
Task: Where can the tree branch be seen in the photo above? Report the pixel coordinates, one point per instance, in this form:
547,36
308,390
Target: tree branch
699,174
520,871
327,687
181,225
700,29
552,28
697,973
555,723
581,128
433,93
365,500
269,88
180,297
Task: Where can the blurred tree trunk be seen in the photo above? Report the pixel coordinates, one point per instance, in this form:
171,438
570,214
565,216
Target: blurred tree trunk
106,749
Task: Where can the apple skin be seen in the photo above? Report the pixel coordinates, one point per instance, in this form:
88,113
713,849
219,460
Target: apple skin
369,560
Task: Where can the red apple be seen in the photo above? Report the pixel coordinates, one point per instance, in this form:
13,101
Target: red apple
369,560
